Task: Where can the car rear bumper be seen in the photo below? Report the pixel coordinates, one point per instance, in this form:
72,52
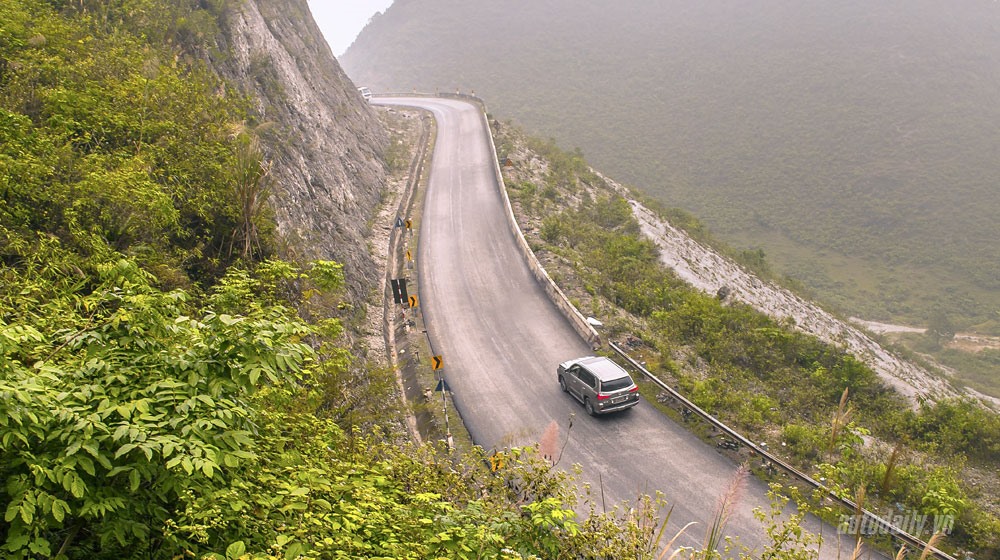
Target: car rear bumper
616,407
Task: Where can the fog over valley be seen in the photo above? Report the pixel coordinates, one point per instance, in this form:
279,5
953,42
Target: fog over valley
855,144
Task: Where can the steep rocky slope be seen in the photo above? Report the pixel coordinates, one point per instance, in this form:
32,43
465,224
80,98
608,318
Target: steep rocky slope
326,151
711,272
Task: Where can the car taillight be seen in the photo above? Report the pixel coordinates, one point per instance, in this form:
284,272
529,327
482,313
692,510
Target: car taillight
601,397
634,389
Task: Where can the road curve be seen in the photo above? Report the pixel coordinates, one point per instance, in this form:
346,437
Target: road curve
501,339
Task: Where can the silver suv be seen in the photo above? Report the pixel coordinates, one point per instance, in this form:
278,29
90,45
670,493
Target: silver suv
600,384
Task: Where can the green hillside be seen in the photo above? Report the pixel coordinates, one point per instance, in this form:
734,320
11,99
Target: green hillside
855,142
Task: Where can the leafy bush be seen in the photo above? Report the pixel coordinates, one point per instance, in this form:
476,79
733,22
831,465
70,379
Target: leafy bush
955,426
118,400
804,442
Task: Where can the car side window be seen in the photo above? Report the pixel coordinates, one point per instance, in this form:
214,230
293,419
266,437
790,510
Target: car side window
588,378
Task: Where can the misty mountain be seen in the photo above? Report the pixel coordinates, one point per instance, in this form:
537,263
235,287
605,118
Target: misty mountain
857,143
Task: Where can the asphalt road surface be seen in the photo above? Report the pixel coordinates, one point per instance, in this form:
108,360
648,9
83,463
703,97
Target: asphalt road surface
501,340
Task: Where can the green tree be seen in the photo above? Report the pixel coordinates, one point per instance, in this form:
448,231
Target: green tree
940,329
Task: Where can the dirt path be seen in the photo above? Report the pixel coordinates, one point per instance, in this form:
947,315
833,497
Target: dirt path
966,342
885,328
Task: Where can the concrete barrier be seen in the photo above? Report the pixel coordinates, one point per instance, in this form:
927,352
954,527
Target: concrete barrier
556,295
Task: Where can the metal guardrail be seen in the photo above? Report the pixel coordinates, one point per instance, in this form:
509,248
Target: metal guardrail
883,526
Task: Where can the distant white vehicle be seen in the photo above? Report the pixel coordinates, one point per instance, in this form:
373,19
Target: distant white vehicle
366,93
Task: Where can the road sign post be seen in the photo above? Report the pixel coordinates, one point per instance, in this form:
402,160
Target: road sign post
437,362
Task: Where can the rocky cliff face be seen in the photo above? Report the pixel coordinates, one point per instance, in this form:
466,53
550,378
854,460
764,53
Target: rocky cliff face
324,141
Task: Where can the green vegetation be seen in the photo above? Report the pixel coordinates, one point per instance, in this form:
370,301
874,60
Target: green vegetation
108,143
121,402
141,423
170,389
825,409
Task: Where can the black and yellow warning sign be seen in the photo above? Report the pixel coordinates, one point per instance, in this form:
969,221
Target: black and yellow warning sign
437,362
496,461
413,301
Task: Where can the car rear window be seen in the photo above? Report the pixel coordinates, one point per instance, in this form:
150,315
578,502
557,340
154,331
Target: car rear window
616,384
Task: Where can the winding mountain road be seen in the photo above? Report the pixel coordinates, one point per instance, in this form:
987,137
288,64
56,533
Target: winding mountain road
501,339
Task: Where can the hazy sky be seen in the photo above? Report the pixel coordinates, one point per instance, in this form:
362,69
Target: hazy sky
342,20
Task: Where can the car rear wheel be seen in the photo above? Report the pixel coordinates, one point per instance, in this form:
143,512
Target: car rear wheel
589,407
562,384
